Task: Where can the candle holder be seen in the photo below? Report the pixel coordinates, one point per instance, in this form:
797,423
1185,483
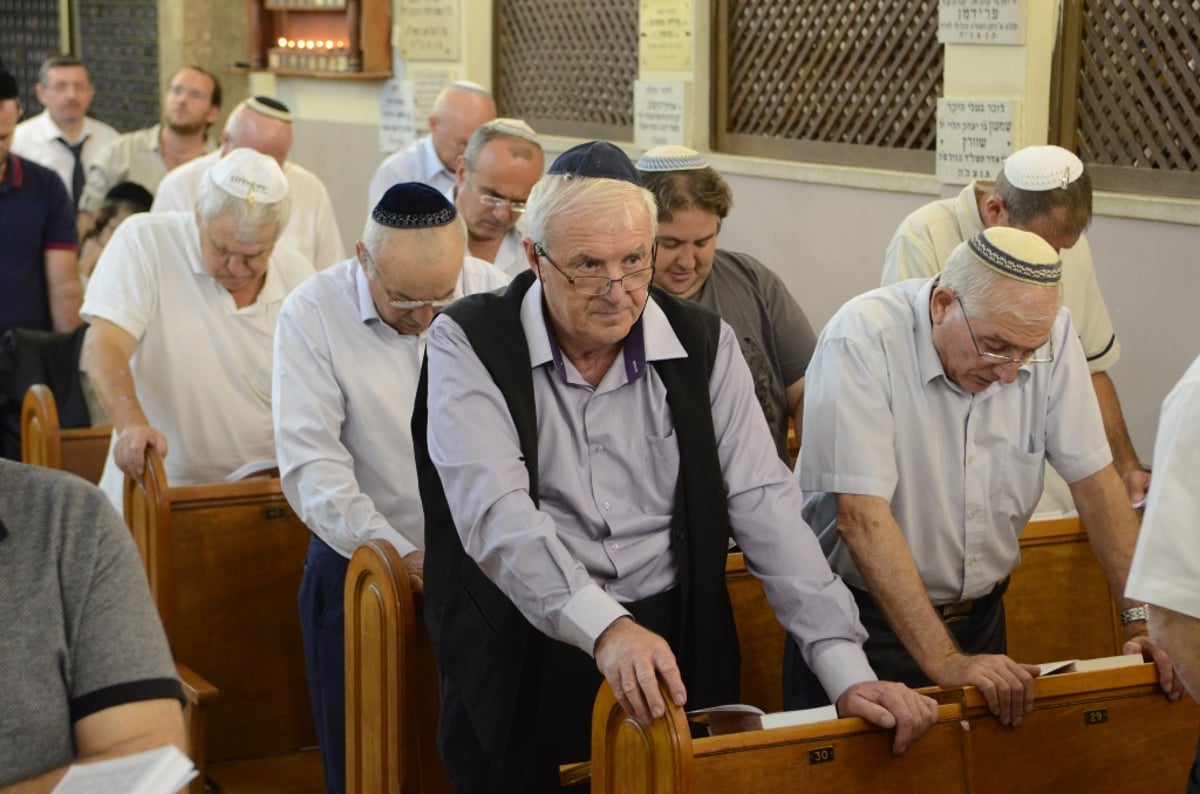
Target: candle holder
345,39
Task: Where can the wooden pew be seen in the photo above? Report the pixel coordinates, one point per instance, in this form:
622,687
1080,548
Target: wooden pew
1058,605
81,451
224,563
391,681
1105,731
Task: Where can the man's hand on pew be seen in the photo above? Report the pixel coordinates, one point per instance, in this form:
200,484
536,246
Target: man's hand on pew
1171,684
632,659
131,444
890,705
1006,685
414,564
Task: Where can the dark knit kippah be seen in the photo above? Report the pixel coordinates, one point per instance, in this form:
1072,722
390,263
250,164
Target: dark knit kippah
1017,254
595,160
131,192
413,205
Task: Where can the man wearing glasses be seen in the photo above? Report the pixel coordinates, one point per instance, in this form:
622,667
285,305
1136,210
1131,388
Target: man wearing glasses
585,451
348,351
932,408
497,170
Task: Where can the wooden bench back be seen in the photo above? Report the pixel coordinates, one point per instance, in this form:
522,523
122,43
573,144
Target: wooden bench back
224,563
81,451
1105,731
391,681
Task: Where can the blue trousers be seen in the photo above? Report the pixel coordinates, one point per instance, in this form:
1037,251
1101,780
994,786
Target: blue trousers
323,625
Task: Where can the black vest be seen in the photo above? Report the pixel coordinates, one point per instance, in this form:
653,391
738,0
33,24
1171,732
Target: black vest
478,634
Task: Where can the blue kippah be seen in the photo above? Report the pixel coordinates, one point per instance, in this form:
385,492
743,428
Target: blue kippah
595,160
413,205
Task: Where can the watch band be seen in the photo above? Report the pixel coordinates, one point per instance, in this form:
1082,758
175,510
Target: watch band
1134,613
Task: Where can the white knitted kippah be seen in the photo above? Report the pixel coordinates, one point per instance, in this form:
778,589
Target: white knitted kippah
671,158
516,128
1041,168
250,175
1017,254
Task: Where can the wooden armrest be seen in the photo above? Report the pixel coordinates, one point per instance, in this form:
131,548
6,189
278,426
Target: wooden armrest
196,688
574,774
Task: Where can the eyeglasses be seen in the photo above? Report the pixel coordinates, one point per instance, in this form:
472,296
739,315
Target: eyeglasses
1000,358
400,303
495,202
595,286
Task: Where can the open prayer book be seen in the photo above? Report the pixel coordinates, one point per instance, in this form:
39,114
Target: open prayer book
161,771
1091,665
739,717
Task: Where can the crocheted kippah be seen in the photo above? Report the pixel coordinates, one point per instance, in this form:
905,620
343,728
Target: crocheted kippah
1017,254
270,107
413,205
250,175
515,128
595,160
1041,168
671,158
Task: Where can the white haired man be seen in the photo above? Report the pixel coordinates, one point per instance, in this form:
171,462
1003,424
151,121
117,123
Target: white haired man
183,309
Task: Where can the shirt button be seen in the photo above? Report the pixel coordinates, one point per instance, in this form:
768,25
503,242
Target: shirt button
971,460
616,546
608,506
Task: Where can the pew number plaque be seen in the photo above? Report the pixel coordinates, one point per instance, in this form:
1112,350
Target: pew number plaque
820,755
973,138
980,22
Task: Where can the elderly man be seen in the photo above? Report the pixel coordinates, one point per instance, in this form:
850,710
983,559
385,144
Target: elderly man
39,285
597,444
1044,190
63,137
433,158
500,166
85,671
931,410
1166,565
190,106
776,338
265,125
183,309
348,354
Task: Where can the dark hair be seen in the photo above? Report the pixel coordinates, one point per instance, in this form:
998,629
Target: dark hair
123,195
1025,205
9,88
56,62
701,188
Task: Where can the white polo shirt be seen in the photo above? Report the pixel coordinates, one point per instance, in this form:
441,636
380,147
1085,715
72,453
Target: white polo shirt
202,366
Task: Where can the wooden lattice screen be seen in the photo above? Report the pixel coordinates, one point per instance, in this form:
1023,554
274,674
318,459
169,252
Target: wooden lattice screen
1128,97
829,81
119,42
567,66
29,34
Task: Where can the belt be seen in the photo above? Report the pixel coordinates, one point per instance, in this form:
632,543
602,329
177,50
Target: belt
953,613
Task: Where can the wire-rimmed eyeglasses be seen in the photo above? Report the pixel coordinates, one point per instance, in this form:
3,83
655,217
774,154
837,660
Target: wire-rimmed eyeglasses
595,286
495,202
1000,358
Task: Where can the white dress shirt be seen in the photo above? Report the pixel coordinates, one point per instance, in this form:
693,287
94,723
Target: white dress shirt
36,139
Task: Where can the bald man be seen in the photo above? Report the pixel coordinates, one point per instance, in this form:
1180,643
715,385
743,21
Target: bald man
265,125
459,110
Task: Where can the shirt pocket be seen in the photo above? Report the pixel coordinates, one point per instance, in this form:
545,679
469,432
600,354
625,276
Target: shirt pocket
660,475
1022,477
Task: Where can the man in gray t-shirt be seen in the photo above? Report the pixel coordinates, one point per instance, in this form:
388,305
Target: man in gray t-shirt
85,671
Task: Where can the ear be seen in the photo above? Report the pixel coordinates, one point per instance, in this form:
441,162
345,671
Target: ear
993,211
460,170
531,257
939,304
359,250
214,113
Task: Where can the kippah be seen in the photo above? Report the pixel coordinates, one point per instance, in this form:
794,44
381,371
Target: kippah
470,87
247,174
1041,168
516,128
1017,254
413,205
671,158
131,192
270,107
595,160
8,86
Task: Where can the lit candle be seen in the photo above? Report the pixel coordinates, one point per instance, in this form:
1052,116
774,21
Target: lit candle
341,45
291,44
282,41
329,45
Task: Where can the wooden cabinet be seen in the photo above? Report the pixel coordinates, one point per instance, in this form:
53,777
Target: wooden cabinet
339,39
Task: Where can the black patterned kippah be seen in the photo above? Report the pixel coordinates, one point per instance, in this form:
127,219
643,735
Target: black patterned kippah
1017,254
413,205
595,160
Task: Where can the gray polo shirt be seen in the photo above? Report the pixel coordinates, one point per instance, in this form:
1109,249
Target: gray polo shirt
80,633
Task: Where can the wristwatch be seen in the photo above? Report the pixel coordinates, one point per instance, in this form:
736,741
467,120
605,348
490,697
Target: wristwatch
1133,613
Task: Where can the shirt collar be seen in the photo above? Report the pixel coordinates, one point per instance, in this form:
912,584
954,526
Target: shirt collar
651,338
14,175
272,290
49,131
